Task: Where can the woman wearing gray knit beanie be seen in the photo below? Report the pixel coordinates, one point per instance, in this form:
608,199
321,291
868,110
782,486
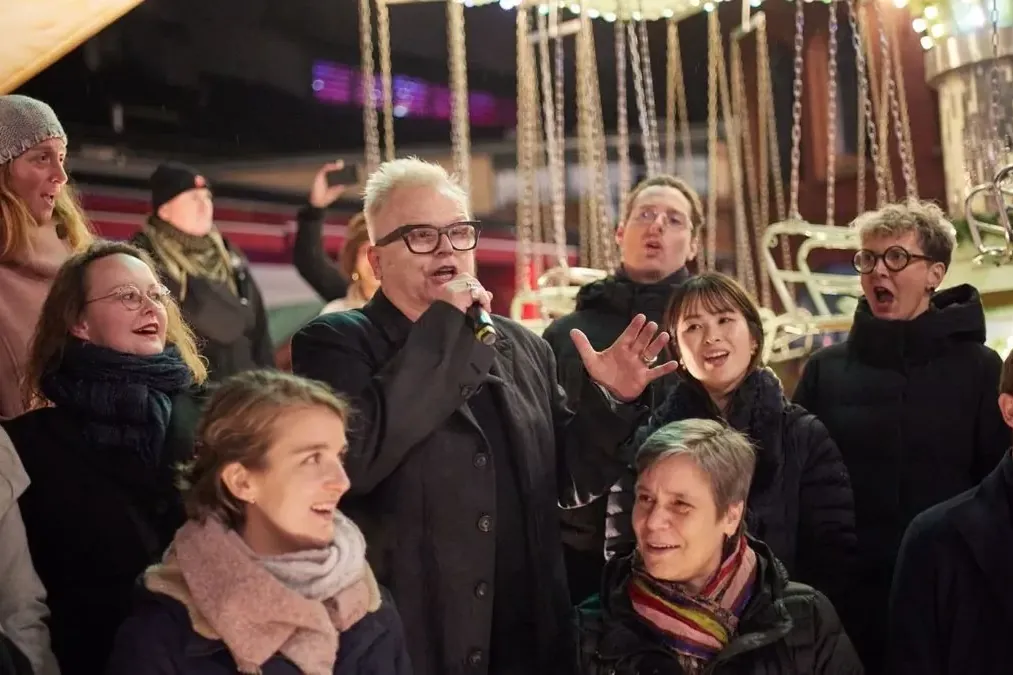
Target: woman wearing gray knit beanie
41,224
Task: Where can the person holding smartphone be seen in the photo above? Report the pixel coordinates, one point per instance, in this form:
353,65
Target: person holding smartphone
350,283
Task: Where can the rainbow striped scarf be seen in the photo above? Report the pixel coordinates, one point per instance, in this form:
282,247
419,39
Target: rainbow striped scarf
696,626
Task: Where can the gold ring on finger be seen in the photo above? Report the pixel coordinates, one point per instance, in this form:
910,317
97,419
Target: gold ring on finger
648,360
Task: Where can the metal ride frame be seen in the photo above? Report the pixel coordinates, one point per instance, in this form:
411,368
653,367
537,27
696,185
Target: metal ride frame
792,334
1000,187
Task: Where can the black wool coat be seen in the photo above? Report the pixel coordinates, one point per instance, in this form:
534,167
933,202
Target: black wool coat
423,482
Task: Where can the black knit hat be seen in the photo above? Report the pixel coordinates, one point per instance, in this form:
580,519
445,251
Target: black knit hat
172,179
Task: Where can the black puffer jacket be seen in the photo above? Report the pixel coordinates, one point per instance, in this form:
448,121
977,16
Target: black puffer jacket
604,309
785,628
800,501
912,406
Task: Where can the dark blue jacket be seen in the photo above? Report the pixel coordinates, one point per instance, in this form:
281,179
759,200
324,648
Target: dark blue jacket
158,639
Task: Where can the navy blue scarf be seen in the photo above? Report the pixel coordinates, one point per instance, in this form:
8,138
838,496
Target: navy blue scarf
123,401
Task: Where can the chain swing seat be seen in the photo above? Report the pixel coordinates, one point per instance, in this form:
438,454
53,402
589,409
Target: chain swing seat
1000,189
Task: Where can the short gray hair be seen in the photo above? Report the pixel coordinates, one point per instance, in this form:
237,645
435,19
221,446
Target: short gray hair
406,172
935,232
725,455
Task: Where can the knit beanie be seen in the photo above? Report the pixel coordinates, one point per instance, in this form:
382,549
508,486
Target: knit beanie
24,123
172,179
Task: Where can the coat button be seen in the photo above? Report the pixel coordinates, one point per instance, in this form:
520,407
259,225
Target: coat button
481,460
485,523
467,391
475,657
481,589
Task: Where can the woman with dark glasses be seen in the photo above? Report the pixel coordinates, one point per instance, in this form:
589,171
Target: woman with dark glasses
910,398
115,377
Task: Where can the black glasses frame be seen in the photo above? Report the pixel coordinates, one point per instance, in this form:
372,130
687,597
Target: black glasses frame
907,258
405,230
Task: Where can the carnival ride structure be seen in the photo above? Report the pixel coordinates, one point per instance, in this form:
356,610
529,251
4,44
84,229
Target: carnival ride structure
773,242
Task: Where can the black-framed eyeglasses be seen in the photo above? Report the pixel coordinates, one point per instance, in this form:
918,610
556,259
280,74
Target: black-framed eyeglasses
421,239
132,298
895,258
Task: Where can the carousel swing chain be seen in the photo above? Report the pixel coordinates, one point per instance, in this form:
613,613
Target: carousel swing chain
831,176
559,194
713,49
865,99
641,97
773,143
763,157
386,83
622,115
554,143
370,123
605,242
671,40
887,68
652,110
683,107
744,271
740,108
460,132
904,116
796,113
527,138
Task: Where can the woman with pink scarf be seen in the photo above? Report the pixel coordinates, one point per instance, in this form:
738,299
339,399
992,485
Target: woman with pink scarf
698,595
267,576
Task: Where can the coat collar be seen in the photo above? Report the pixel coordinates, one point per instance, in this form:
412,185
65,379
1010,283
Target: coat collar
395,326
985,521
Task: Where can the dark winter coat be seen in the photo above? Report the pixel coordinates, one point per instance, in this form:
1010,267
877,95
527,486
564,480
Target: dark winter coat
951,607
785,628
604,309
800,501
159,639
912,405
423,482
94,525
231,328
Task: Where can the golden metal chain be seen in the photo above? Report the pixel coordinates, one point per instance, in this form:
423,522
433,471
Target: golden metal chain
652,108
832,114
527,143
773,143
459,123
796,112
867,114
585,216
714,48
744,270
743,123
905,119
643,111
675,50
604,241
370,123
548,25
671,44
860,167
887,67
622,116
383,37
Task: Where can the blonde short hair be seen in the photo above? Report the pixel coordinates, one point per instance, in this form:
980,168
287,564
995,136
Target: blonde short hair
936,234
406,172
722,453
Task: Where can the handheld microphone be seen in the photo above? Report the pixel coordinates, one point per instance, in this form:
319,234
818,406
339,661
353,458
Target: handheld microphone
485,331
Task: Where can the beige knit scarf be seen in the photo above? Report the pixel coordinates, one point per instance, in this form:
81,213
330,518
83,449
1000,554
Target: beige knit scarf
296,604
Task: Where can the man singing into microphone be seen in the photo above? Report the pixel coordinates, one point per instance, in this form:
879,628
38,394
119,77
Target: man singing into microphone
461,450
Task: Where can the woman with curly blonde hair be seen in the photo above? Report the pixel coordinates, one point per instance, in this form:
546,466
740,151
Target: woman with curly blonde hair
41,224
